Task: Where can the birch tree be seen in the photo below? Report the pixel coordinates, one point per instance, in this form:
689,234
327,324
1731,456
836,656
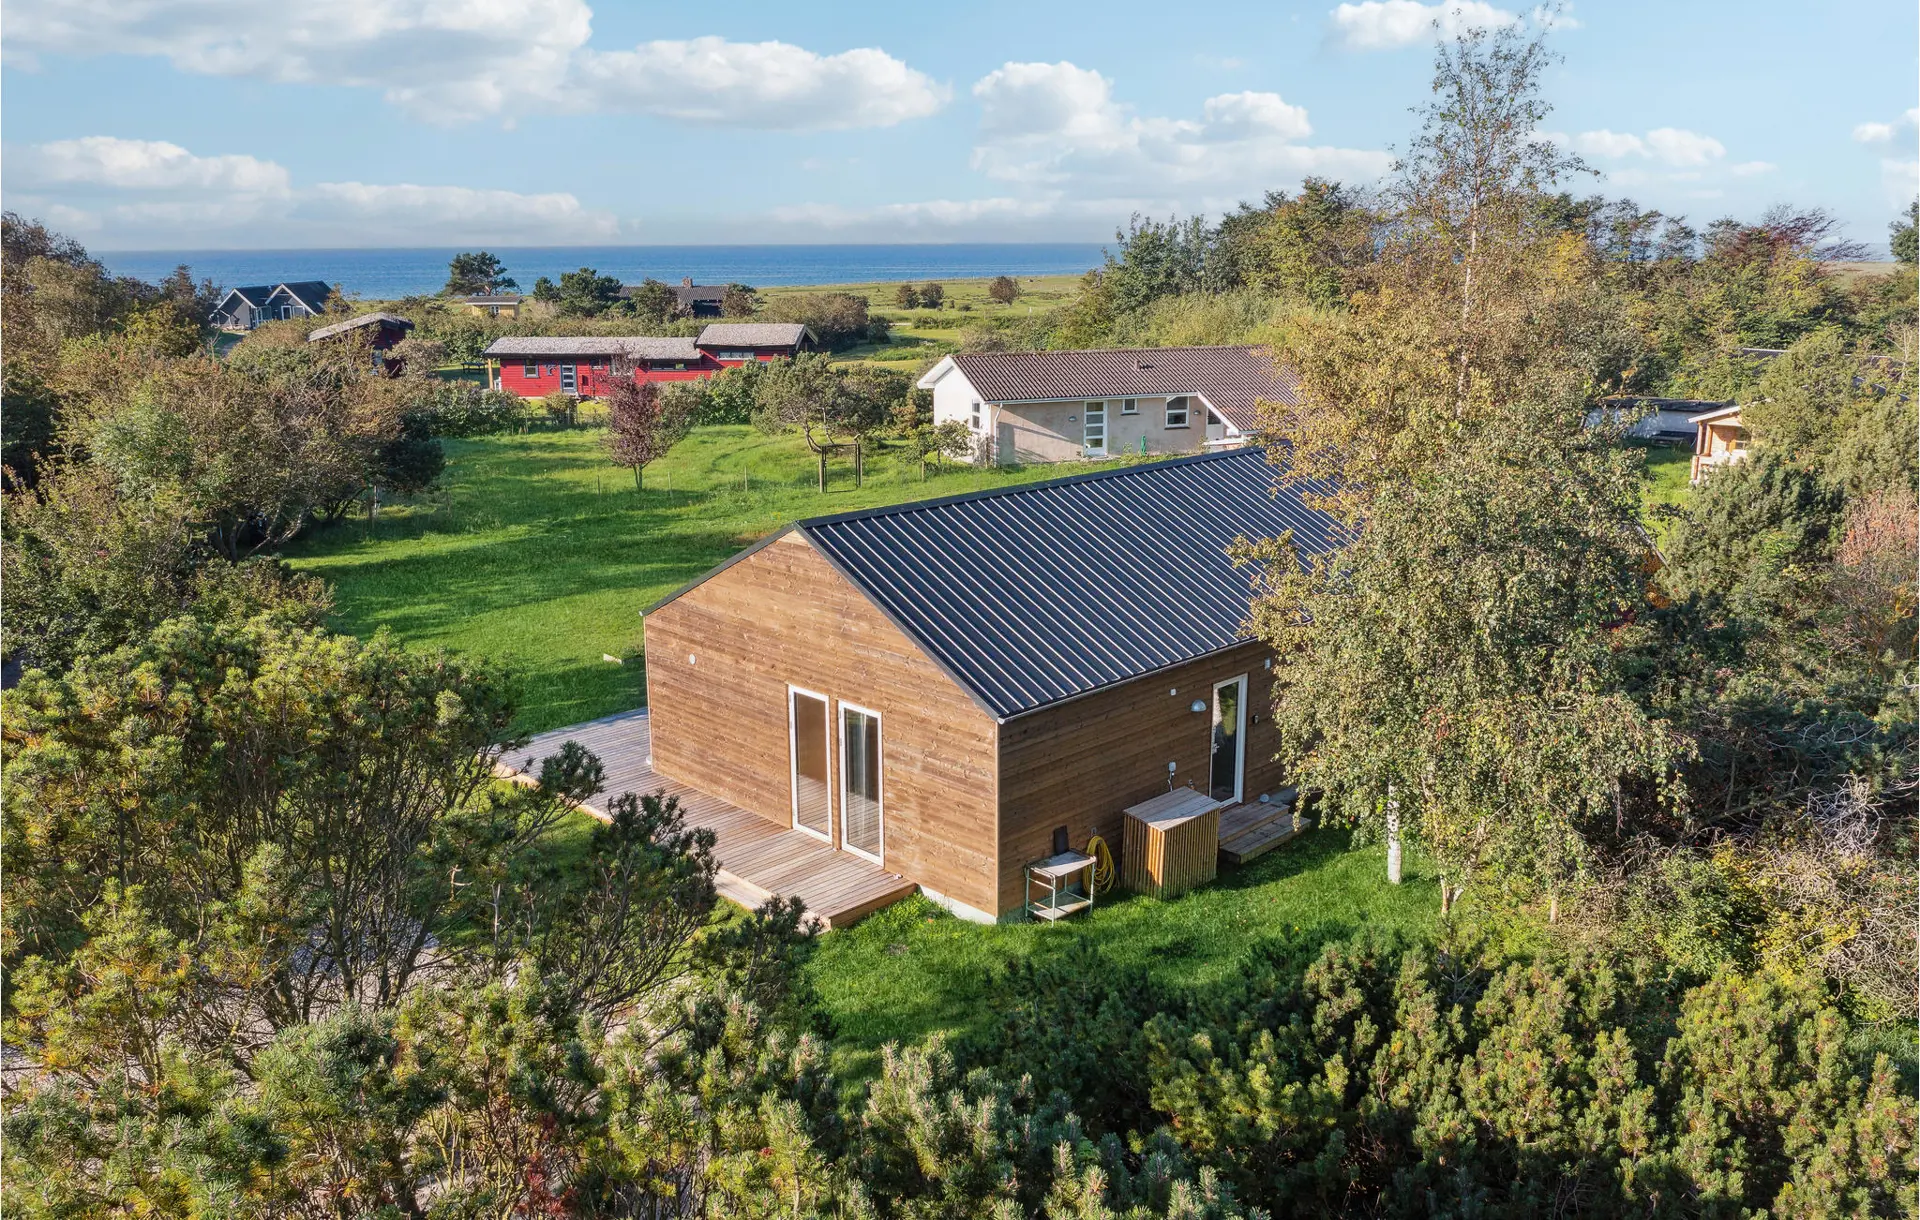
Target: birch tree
1455,673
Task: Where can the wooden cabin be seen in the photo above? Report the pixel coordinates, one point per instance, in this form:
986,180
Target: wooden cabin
952,688
1720,439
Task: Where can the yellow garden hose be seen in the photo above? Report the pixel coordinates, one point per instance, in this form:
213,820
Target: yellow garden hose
1102,864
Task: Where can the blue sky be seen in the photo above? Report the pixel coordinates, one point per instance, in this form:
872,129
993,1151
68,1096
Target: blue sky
198,124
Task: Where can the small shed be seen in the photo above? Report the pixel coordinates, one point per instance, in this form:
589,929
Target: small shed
1171,844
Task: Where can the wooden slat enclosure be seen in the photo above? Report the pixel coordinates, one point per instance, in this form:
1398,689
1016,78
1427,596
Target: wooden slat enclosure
758,860
1170,844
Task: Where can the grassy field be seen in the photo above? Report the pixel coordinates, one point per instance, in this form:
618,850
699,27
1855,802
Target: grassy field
1668,468
921,336
540,553
913,970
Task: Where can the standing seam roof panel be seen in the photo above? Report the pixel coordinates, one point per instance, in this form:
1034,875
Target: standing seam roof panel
1036,594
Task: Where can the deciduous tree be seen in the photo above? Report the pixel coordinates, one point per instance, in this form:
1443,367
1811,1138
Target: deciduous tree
642,423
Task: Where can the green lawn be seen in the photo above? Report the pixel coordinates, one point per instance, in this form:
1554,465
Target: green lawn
539,552
1668,468
912,969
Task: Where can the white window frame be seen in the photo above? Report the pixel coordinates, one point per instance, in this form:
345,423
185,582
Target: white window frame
976,415
880,777
531,369
1130,406
1185,411
1239,738
793,763
1087,410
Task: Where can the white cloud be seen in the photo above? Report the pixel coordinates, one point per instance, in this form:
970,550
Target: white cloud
768,85
1075,159
1672,146
453,60
1382,25
105,161
1676,146
1058,125
1604,143
130,192
440,59
1880,133
1747,169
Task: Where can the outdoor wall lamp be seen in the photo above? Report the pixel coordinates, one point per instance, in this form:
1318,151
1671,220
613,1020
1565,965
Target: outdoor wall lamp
1199,705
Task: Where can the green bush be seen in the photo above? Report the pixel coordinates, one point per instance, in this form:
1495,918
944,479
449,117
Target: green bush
837,319
454,409
725,398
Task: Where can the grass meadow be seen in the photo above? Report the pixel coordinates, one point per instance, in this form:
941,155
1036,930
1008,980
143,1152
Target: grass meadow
539,552
913,970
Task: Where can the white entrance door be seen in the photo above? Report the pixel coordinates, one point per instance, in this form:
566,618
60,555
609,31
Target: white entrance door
862,817
1095,429
808,748
1228,768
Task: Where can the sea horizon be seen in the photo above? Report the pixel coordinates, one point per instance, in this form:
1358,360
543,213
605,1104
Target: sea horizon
385,273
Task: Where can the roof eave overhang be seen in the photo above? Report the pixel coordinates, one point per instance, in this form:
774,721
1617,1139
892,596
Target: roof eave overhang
1077,696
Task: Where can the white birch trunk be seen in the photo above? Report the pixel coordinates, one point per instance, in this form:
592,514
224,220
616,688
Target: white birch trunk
1393,837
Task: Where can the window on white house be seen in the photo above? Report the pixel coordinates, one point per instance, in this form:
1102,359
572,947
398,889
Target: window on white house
976,415
1177,410
1130,406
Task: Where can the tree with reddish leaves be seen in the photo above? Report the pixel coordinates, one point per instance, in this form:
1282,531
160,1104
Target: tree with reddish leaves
642,424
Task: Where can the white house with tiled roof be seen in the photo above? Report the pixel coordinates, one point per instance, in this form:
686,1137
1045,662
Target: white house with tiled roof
1066,405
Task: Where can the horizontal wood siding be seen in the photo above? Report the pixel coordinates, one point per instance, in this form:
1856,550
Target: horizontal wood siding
1080,764
783,615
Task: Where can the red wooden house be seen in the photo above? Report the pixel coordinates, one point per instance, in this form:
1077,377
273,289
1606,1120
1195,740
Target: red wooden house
535,366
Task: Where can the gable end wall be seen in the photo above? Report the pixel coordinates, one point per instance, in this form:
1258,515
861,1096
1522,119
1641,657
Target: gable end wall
785,615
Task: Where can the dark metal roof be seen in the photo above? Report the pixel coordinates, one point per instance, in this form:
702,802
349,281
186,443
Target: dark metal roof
314,294
1232,379
1029,596
365,319
311,293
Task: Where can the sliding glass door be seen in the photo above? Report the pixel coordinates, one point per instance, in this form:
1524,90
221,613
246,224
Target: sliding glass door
861,826
808,748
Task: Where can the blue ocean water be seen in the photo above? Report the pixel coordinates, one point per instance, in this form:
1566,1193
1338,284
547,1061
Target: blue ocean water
385,274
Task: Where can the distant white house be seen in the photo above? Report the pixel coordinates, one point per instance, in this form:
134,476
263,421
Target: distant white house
1662,420
246,308
1065,405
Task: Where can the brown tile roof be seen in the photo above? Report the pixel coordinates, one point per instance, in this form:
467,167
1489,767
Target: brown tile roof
1231,379
638,347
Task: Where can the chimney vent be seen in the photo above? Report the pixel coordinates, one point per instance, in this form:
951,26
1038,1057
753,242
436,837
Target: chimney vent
686,281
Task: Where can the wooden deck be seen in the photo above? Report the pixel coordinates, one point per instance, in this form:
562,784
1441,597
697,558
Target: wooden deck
1252,830
758,859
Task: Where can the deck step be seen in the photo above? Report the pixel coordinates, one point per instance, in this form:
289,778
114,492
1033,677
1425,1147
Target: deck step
1238,819
1262,839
